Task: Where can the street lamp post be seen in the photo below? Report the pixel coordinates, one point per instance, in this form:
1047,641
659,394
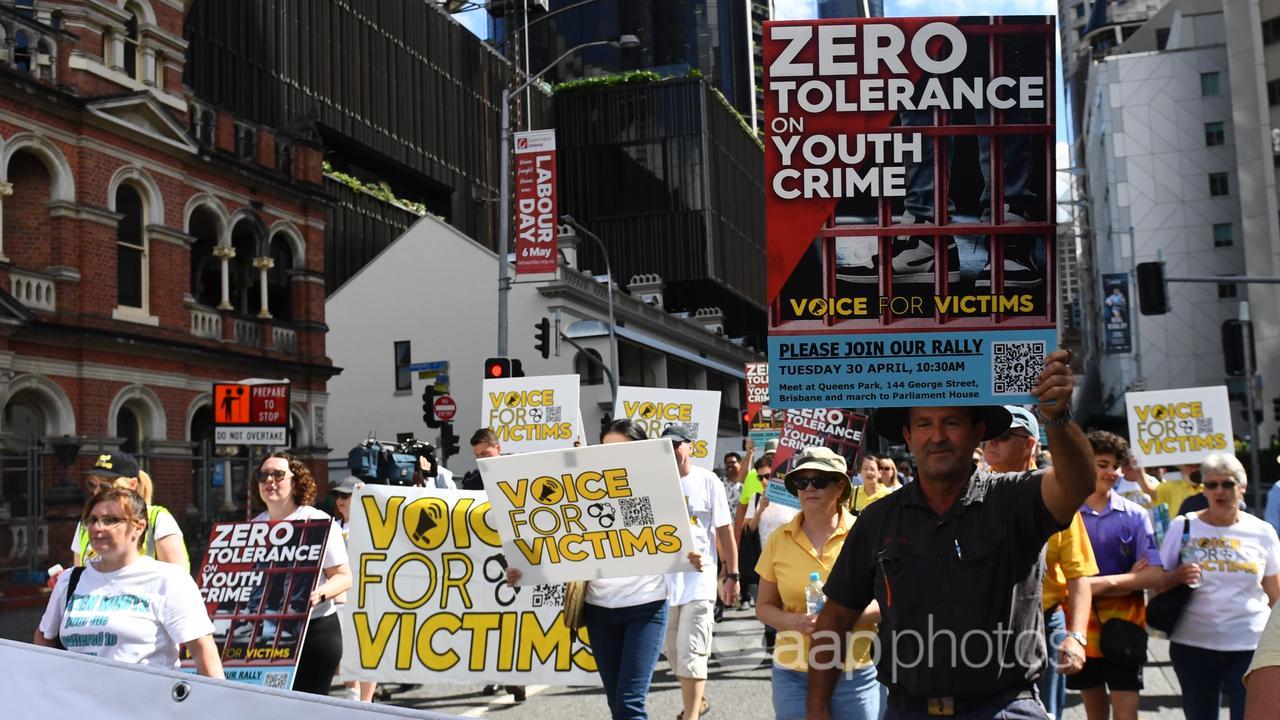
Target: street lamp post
608,271
504,195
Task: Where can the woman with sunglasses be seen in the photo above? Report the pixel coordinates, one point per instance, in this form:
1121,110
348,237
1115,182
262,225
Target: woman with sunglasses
287,489
810,544
124,605
625,617
1232,559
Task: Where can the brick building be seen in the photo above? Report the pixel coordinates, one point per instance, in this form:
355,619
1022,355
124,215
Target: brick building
150,245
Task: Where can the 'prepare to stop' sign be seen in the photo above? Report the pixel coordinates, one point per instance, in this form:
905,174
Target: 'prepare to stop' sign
262,405
446,408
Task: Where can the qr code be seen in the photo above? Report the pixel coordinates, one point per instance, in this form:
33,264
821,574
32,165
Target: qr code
553,414
548,595
636,512
693,428
1204,426
279,680
1015,366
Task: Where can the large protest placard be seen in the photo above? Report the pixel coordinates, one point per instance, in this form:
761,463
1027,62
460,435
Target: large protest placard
1174,427
592,512
430,601
888,286
532,413
656,408
839,430
256,581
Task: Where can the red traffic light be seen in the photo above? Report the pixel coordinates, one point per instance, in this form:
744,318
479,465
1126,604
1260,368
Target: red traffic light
496,368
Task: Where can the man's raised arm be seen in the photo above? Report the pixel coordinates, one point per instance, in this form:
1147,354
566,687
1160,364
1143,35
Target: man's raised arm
1071,479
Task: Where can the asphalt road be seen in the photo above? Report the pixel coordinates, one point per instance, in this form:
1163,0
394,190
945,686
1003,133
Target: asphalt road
738,688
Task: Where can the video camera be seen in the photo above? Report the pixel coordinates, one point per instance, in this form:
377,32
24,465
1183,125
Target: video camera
387,463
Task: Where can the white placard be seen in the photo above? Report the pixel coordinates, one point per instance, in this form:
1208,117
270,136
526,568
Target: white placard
593,512
1175,427
656,408
532,413
428,567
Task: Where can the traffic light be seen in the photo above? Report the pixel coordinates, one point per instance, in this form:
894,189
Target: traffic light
497,368
517,370
1233,340
448,442
429,405
605,419
1275,407
1153,294
542,333
746,422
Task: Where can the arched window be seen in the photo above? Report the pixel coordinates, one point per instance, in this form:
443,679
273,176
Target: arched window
279,292
131,249
129,427
590,369
244,277
23,421
132,60
206,270
23,55
28,235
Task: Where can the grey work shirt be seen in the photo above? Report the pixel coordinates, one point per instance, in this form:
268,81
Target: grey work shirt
959,594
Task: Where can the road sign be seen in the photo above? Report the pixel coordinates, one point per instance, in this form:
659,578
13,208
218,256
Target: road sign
428,367
251,412
446,408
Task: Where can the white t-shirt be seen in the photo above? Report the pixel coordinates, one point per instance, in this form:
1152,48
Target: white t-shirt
624,592
774,516
1229,609
335,549
1132,491
705,502
138,614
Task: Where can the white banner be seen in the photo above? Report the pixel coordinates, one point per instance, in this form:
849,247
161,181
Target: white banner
532,413
593,512
656,408
430,601
41,683
1175,427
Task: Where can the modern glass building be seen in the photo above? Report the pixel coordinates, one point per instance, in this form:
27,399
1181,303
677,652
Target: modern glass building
850,8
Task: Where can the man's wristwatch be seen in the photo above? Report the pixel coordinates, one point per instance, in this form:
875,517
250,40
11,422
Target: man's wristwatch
1079,637
1057,422
731,576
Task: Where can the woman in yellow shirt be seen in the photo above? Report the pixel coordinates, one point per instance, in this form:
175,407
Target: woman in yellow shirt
795,553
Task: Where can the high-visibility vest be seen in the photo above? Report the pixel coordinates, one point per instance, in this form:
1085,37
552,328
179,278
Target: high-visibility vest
149,548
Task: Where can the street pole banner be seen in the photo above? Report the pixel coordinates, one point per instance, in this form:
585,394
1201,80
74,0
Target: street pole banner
1176,427
1115,313
532,413
656,408
535,197
256,582
431,603
42,683
909,209
593,512
839,430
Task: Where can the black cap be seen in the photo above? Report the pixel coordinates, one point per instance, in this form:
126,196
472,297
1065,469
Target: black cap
888,422
115,464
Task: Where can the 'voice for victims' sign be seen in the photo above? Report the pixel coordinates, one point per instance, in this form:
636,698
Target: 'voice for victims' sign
593,512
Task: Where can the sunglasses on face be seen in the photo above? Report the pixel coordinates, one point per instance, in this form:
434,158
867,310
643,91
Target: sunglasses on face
266,476
818,482
1225,485
888,468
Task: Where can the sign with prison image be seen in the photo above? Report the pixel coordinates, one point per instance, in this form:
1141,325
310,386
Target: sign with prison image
909,168
656,408
532,413
1176,427
256,581
592,512
430,601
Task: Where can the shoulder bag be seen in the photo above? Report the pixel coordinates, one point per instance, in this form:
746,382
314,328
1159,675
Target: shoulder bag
76,572
575,596
1164,610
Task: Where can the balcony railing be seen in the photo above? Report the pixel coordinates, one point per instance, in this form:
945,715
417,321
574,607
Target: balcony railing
284,339
206,324
248,333
35,291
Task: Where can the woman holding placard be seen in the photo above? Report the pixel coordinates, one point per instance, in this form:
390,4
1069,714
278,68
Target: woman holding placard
625,617
795,562
287,489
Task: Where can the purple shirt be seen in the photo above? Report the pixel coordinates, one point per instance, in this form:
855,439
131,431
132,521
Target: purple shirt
1121,535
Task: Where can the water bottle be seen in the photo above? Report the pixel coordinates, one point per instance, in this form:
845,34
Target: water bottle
1189,555
813,597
